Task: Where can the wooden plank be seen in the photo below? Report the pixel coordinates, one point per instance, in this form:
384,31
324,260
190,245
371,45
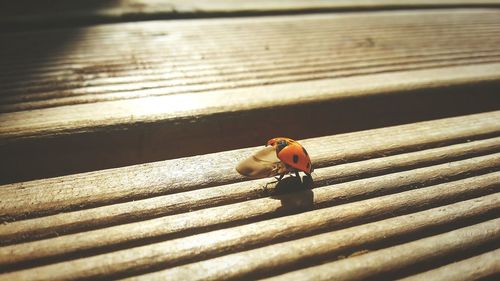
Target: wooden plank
58,224
151,102
28,13
395,258
105,115
475,268
142,130
405,164
128,238
74,192
255,54
164,253
196,217
246,211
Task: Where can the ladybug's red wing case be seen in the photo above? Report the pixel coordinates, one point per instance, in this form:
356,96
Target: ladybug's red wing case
292,154
295,156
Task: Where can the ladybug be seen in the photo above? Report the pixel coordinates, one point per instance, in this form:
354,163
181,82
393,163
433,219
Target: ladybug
293,155
280,156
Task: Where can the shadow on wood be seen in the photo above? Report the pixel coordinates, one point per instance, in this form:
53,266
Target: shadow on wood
295,193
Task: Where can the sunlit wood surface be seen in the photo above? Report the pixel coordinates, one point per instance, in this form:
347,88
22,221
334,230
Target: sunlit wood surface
133,89
53,13
121,126
385,186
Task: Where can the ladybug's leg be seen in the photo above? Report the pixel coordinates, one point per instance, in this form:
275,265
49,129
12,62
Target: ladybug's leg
280,177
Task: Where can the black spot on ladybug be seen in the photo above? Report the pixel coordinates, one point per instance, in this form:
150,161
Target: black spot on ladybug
305,151
295,158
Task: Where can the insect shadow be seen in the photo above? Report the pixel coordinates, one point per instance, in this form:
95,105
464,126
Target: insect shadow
295,194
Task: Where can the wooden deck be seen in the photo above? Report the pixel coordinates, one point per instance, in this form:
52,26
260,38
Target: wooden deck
121,126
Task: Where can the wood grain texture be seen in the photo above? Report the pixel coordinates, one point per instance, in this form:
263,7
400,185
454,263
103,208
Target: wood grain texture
322,196
247,236
103,116
275,257
44,144
57,224
376,263
415,200
153,179
33,14
172,89
226,54
474,268
361,179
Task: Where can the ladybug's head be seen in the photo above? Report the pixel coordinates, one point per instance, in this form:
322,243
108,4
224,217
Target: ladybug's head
274,141
278,143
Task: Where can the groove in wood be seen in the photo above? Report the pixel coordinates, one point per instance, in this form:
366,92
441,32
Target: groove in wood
227,194
475,268
248,209
141,258
384,47
396,258
154,179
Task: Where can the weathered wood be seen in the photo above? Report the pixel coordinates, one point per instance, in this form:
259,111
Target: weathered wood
226,194
282,204
155,102
81,61
373,264
153,179
42,13
122,94
276,67
216,64
342,44
52,153
89,117
271,257
398,257
275,230
165,85
475,268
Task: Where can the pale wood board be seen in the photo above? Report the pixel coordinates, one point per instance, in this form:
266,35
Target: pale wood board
100,116
172,89
381,173
375,263
162,58
474,268
143,130
383,201
34,14
47,226
255,209
153,179
263,259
